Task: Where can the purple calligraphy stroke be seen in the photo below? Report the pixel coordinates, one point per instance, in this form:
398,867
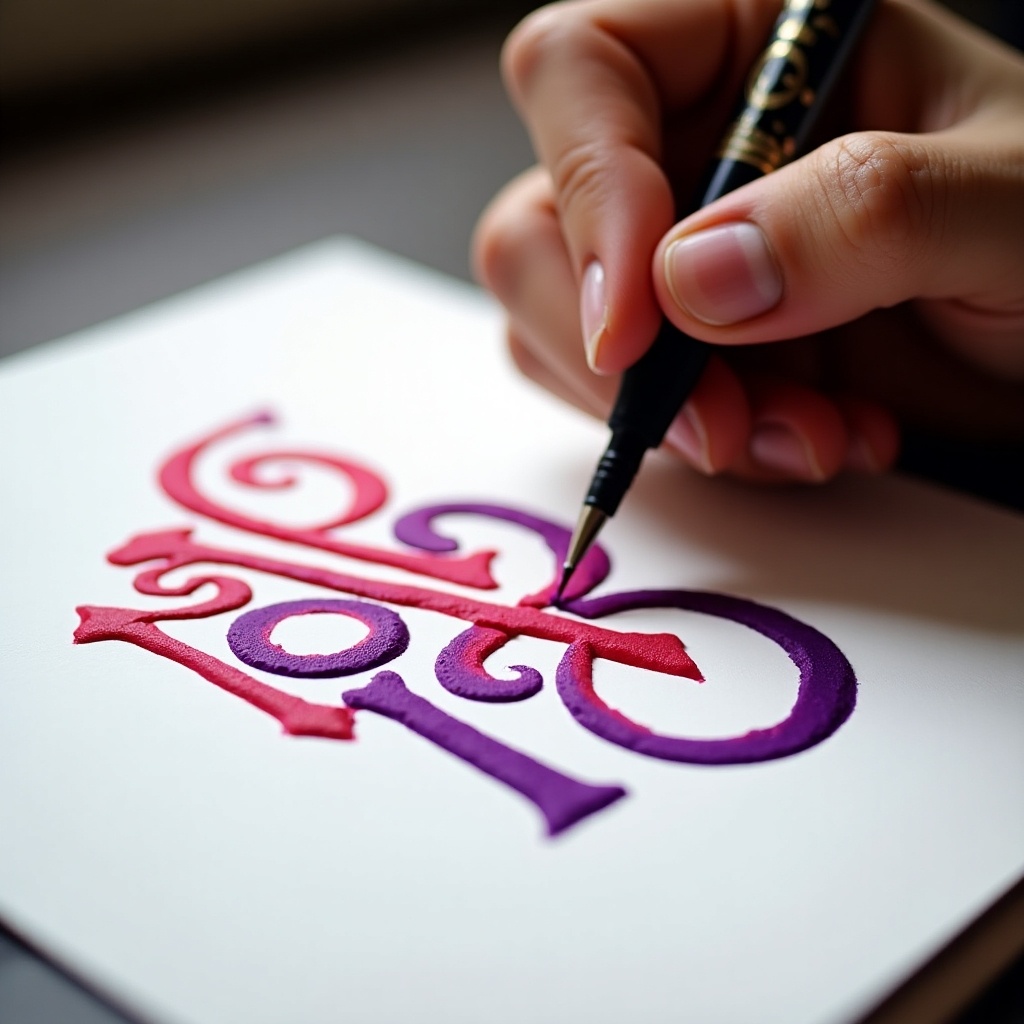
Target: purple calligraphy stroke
826,691
459,668
417,530
249,639
561,800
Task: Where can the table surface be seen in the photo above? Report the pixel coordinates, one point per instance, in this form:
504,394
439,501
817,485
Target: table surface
401,146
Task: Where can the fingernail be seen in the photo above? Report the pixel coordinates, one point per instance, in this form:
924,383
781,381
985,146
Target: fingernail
593,312
777,448
687,435
723,275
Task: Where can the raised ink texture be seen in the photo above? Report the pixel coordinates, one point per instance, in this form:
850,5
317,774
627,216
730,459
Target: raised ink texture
826,691
562,801
249,640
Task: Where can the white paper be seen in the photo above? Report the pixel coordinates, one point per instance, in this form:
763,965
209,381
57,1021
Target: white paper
168,842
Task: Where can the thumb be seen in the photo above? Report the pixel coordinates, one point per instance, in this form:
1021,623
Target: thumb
867,221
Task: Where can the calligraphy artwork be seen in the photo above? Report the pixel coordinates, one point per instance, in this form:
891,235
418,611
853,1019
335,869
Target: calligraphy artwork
826,688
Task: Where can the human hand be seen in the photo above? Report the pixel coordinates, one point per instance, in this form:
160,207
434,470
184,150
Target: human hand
894,254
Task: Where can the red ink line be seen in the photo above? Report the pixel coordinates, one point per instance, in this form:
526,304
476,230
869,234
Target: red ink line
177,482
298,717
660,652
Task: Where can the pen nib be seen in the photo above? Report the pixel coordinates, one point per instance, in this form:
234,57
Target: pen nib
587,528
566,576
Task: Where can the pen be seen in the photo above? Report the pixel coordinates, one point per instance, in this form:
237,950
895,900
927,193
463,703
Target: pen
785,91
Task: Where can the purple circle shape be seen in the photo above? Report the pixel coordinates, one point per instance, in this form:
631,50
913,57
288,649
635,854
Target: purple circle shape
826,692
249,639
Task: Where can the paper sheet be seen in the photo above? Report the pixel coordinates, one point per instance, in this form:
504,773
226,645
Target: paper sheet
166,838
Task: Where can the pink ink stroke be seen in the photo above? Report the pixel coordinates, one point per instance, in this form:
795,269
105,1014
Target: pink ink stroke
826,691
177,481
298,717
662,652
562,800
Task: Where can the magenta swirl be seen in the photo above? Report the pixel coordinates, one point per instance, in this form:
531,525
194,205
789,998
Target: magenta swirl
826,692
459,668
417,530
249,639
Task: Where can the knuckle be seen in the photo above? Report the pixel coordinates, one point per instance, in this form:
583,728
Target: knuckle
877,193
487,252
510,234
540,38
578,173
522,359
495,254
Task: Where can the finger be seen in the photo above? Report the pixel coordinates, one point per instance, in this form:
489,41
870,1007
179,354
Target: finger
538,371
519,254
797,434
591,80
873,436
712,429
523,206
866,222
871,219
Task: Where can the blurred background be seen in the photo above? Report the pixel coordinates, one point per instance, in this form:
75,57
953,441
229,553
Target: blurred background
152,145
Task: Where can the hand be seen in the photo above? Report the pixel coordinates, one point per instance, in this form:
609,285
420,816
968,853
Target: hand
894,254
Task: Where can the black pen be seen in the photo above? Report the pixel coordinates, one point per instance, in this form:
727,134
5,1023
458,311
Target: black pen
785,91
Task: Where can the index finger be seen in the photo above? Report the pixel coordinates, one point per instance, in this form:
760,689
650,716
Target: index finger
592,80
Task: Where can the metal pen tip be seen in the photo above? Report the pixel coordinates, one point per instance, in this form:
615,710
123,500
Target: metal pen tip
587,528
567,571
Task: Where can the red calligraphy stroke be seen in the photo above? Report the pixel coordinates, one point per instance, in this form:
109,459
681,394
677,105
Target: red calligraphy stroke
369,492
298,717
659,652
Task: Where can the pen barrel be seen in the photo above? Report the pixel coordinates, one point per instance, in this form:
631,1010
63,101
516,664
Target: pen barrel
669,369
650,394
616,471
786,89
784,94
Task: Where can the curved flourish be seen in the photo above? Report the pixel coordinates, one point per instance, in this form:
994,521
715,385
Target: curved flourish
417,530
368,490
298,717
177,481
459,668
826,693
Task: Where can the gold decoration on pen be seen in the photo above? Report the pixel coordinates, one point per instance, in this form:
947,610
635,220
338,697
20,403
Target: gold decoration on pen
754,146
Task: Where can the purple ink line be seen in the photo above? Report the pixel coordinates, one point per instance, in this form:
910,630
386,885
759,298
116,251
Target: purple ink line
563,801
249,639
460,669
417,530
826,692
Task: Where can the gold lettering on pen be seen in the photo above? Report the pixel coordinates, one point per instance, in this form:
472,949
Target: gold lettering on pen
778,79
